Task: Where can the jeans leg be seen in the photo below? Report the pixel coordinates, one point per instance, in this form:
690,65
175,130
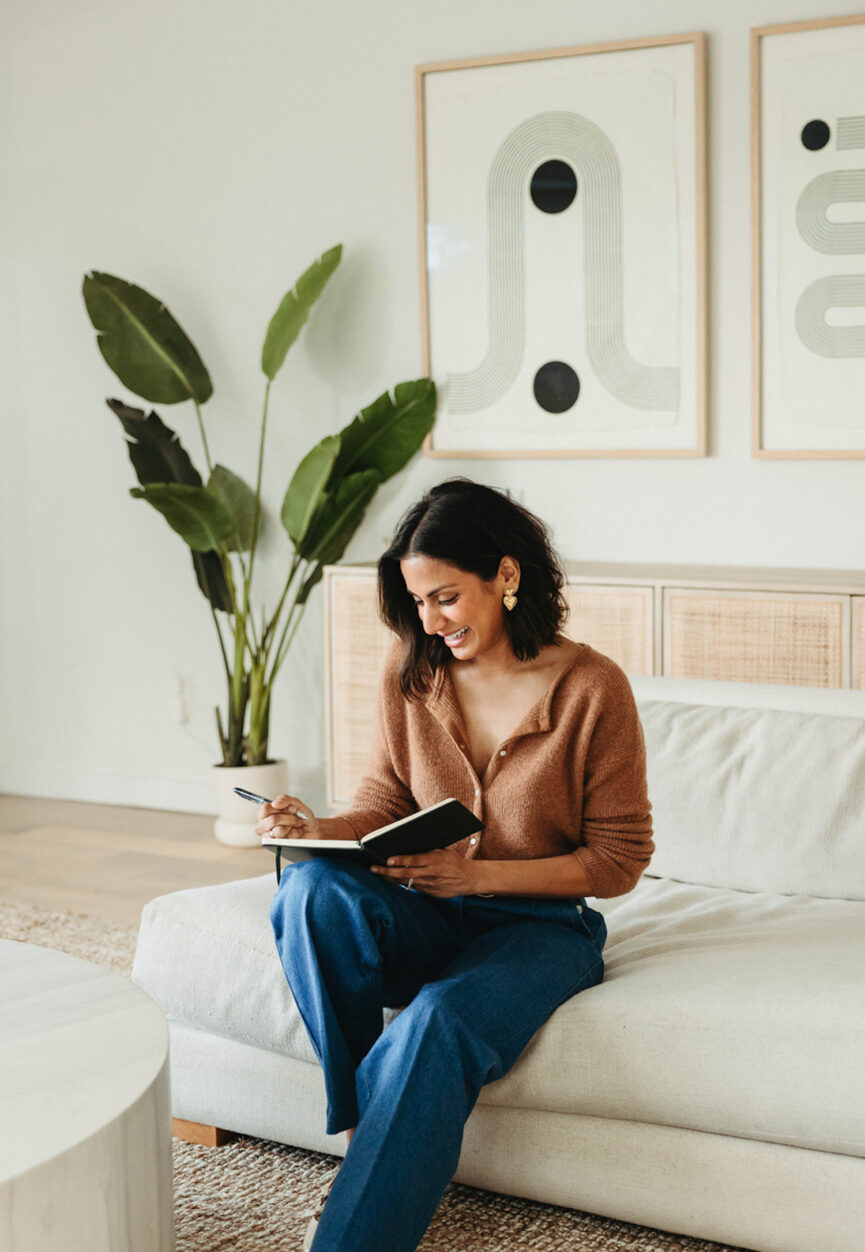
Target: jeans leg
420,1080
351,943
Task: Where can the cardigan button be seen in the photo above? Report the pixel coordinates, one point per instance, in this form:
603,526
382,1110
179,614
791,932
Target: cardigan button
473,839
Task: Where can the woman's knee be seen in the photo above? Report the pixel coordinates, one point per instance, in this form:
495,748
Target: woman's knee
321,889
304,886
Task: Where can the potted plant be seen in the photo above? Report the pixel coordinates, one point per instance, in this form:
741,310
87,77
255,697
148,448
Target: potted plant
221,519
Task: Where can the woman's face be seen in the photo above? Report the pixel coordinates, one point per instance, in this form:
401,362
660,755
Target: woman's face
462,609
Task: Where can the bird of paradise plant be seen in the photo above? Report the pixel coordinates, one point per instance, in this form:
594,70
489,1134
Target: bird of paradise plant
221,519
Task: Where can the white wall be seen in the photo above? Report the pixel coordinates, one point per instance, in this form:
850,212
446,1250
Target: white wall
209,151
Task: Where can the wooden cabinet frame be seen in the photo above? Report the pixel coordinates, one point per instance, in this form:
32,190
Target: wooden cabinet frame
857,650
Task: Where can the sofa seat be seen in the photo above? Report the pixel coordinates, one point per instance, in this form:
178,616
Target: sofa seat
722,1011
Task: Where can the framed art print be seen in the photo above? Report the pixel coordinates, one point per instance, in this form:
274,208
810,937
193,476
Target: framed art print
563,238
808,222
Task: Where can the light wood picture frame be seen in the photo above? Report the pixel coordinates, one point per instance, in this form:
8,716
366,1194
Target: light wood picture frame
808,239
562,213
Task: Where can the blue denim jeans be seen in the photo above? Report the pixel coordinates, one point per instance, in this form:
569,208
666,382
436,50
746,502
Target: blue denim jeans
478,977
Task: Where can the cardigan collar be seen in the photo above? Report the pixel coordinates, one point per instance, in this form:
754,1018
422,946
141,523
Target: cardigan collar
442,702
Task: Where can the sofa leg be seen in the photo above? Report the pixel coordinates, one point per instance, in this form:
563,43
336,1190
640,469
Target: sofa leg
195,1132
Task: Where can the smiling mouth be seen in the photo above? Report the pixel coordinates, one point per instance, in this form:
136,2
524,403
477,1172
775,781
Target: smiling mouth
457,635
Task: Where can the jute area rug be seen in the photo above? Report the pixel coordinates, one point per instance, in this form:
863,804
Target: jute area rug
255,1196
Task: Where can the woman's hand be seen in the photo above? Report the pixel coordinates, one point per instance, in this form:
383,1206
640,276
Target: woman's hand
442,872
286,817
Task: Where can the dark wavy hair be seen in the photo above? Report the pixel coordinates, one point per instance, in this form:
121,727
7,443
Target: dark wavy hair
472,527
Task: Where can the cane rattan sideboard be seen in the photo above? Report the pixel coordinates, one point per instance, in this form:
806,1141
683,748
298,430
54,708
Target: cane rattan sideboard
797,627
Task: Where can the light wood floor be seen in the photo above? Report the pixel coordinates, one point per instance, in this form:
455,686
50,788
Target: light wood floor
107,861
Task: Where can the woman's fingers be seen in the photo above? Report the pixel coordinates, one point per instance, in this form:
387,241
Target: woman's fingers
402,868
285,826
286,817
441,872
285,804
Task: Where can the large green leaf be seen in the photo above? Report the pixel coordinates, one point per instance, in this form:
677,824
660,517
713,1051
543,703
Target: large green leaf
310,583
306,487
156,453
386,435
292,314
146,348
339,517
158,456
211,580
198,516
239,502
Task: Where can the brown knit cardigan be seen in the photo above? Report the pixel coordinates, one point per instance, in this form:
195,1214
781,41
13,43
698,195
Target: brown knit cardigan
571,777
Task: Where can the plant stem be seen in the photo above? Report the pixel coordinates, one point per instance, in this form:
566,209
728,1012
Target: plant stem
257,517
271,629
242,565
241,615
286,641
221,642
223,742
254,646
263,684
203,437
249,621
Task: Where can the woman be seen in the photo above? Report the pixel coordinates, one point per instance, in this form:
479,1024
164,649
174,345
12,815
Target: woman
485,700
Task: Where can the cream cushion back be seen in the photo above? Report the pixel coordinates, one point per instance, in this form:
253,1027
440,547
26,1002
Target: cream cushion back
757,799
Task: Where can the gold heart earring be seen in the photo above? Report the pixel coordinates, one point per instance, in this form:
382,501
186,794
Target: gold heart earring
509,600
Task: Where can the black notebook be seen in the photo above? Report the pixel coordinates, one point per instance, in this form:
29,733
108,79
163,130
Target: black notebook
436,827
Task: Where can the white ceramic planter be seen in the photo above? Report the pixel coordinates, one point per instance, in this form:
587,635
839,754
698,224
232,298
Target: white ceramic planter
236,818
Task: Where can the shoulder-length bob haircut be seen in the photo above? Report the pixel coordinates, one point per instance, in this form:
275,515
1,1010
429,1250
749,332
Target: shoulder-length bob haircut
472,527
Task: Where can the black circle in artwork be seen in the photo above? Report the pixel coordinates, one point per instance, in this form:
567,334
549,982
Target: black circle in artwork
815,135
556,387
553,186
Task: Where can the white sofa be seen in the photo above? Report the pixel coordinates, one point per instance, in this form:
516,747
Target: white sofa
714,1084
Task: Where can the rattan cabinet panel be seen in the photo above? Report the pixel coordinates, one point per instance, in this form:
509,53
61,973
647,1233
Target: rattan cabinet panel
356,646
617,621
798,640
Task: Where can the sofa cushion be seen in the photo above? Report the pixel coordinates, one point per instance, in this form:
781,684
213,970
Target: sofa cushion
208,958
757,799
722,1011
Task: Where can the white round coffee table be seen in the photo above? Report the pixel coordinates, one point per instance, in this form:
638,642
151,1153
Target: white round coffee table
85,1120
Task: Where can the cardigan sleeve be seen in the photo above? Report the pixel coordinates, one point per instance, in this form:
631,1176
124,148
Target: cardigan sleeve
616,830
